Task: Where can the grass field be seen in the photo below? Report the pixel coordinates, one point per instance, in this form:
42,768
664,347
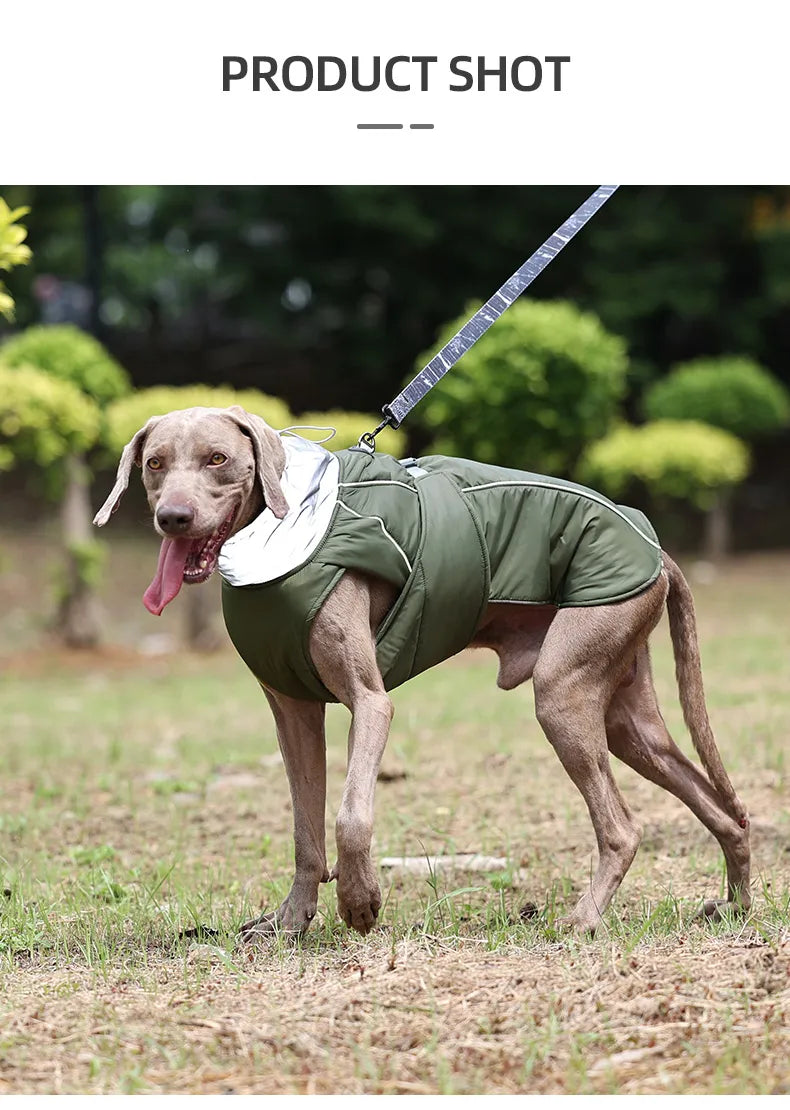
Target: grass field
145,814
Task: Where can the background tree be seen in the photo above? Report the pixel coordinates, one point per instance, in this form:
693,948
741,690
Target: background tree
674,460
46,422
323,295
70,356
733,393
538,386
42,420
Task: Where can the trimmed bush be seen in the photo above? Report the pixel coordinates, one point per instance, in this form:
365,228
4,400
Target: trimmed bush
127,415
70,357
733,393
680,459
545,380
52,423
67,353
43,420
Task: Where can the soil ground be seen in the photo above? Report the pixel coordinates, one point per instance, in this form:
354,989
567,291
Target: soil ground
144,814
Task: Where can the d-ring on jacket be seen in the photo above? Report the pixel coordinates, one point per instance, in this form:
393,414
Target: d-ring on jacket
451,535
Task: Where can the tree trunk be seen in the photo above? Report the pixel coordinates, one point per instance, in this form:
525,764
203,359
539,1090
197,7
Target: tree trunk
200,625
78,622
718,529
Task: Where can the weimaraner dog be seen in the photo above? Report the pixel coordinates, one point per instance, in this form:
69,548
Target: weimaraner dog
208,473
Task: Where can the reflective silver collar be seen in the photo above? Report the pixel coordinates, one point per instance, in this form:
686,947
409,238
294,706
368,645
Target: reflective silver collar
269,548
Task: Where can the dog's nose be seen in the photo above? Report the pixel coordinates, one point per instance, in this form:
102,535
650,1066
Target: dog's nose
175,519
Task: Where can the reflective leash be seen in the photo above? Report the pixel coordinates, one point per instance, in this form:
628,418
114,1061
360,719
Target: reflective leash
398,409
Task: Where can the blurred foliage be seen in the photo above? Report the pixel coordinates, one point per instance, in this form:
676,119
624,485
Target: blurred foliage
89,559
733,393
13,250
42,420
70,354
545,380
349,426
323,295
127,415
680,459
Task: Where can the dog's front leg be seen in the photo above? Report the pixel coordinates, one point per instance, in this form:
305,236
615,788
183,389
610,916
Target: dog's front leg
344,653
358,891
300,733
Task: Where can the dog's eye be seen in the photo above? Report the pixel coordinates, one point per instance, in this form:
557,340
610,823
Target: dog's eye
154,464
217,459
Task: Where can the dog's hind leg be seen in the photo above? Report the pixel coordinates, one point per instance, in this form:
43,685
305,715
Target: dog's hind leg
576,731
586,654
637,735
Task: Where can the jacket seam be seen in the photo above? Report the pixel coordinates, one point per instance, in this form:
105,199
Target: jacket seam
606,504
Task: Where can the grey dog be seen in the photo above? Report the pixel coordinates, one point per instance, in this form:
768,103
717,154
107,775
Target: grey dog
210,473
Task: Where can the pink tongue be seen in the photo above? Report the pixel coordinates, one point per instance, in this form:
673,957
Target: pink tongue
169,575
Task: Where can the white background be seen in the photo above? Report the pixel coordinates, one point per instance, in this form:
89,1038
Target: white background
672,92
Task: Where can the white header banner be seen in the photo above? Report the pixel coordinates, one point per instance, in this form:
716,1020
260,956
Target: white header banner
417,91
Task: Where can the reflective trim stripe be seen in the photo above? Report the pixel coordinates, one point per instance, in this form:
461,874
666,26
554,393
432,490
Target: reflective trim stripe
380,482
520,601
565,489
394,542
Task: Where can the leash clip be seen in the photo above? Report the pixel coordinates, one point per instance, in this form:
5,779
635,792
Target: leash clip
367,441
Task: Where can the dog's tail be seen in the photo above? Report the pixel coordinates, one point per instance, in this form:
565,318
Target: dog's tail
688,670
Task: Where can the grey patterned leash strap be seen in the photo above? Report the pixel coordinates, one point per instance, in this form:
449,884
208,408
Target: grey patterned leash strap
396,411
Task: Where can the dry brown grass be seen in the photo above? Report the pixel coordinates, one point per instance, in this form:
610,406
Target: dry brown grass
417,1016
144,796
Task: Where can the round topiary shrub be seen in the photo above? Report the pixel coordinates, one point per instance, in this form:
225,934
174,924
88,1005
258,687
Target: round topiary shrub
67,353
43,420
679,459
733,393
545,380
127,415
69,356
51,423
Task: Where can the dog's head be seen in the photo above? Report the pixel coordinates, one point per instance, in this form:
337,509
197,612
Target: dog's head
207,473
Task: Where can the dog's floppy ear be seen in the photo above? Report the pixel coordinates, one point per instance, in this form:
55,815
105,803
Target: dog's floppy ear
129,457
269,456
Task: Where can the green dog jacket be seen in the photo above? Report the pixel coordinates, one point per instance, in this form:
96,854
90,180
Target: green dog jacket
449,534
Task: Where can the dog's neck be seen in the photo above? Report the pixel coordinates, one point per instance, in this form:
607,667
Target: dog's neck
252,507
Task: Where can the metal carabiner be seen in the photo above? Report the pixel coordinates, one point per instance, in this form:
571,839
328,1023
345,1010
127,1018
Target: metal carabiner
367,441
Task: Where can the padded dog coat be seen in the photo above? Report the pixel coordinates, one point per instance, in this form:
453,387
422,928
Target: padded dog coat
449,534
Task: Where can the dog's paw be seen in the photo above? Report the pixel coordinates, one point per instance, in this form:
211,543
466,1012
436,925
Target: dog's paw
583,920
582,925
358,895
291,919
719,909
